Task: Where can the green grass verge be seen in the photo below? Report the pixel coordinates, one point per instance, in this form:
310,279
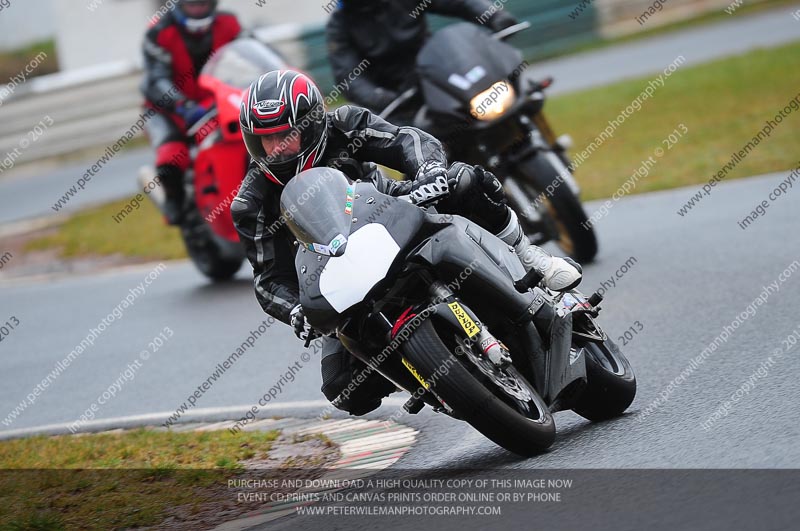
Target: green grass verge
15,61
723,104
117,480
136,449
142,234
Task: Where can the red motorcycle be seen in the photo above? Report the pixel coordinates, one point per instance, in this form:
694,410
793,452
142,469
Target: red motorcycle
219,159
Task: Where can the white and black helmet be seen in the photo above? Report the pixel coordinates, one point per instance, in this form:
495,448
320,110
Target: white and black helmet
287,104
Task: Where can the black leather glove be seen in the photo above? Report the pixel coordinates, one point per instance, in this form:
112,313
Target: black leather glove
430,184
491,185
501,20
301,328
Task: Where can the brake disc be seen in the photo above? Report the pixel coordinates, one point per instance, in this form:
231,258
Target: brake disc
500,377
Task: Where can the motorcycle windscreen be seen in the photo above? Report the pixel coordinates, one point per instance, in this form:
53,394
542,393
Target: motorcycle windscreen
317,206
461,61
241,62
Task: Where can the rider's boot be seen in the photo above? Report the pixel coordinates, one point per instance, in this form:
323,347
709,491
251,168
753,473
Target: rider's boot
558,274
174,192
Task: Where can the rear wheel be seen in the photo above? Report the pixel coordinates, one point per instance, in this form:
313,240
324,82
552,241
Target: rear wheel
611,384
499,403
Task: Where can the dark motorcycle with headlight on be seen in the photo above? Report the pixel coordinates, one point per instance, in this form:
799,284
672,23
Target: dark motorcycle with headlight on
477,103
445,310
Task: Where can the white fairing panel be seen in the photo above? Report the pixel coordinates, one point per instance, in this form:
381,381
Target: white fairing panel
347,279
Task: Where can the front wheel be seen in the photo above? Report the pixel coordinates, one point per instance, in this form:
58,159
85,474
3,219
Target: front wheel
217,260
571,228
522,423
611,384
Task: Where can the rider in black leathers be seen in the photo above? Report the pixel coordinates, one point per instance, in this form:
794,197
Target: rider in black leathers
389,34
352,139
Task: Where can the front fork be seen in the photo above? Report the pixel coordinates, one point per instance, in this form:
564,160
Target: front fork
457,315
539,137
477,334
559,144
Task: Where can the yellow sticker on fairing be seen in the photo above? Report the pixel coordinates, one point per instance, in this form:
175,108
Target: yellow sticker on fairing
464,319
417,375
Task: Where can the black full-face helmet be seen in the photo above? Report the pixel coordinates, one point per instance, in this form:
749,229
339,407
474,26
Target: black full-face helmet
284,111
196,16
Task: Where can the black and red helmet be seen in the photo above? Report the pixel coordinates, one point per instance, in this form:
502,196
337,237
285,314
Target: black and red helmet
286,108
196,16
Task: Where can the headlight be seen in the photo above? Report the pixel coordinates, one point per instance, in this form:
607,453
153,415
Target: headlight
493,102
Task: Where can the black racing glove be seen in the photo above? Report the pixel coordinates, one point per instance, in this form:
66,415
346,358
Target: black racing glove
430,184
501,20
491,185
301,327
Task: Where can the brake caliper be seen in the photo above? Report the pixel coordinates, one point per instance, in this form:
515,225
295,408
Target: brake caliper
494,350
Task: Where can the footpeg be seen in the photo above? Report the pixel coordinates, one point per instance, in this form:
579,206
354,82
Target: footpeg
529,281
595,299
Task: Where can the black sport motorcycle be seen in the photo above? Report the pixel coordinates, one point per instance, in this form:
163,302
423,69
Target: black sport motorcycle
445,310
475,100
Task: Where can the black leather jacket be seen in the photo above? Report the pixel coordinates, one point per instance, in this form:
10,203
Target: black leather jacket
388,34
256,209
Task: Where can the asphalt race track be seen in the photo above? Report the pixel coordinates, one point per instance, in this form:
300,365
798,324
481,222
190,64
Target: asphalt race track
35,195
692,276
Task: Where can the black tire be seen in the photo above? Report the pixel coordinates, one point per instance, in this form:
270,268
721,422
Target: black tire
208,256
611,384
215,267
473,402
575,235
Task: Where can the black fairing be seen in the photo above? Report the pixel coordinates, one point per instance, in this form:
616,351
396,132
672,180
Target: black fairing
456,51
445,246
457,245
460,244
